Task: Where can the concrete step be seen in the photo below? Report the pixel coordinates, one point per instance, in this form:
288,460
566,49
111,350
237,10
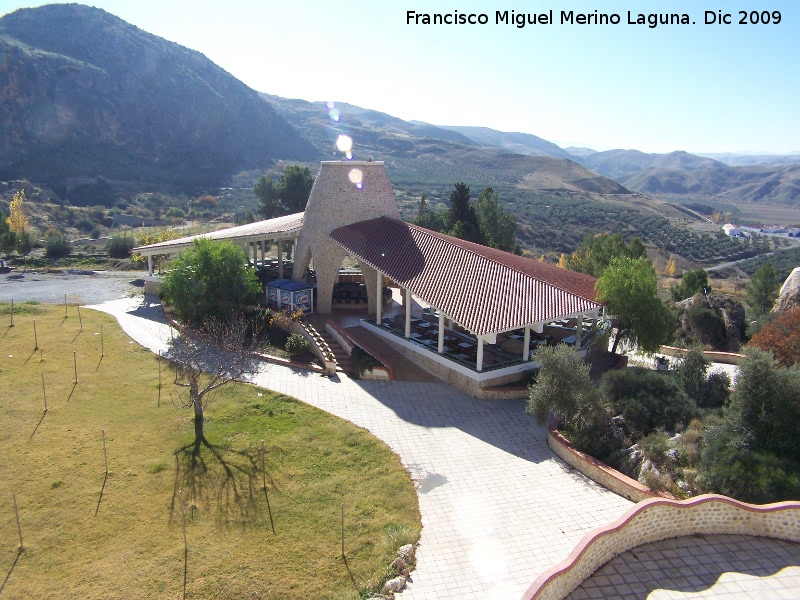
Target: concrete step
345,363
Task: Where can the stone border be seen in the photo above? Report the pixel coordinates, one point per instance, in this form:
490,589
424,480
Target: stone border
598,471
728,358
659,519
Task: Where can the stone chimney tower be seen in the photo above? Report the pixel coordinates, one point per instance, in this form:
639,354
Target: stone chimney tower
344,192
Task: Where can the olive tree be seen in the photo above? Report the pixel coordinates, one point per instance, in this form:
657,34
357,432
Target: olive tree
208,280
628,288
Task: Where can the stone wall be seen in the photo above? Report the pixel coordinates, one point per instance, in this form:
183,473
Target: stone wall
336,201
728,358
658,519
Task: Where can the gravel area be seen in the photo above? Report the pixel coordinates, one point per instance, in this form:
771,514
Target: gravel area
81,287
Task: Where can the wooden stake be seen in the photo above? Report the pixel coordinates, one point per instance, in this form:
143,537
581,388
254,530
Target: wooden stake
79,317
44,394
75,364
105,455
185,545
342,529
35,337
12,313
65,306
19,527
102,350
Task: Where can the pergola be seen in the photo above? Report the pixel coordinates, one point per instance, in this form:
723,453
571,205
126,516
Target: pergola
484,290
252,238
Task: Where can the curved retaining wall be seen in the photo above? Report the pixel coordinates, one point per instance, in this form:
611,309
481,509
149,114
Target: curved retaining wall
729,358
658,519
598,471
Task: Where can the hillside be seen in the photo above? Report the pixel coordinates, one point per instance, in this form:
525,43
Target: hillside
87,95
768,185
765,160
420,155
619,164
520,143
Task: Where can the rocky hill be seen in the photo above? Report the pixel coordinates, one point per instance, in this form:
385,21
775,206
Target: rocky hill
419,155
519,143
87,95
619,164
767,185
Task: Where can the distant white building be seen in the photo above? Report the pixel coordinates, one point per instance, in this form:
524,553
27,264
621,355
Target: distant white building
731,230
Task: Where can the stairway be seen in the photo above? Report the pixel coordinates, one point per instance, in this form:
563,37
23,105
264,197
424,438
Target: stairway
345,363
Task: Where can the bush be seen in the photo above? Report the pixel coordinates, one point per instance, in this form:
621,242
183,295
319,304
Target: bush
95,233
716,390
646,400
56,246
296,345
175,213
85,225
120,246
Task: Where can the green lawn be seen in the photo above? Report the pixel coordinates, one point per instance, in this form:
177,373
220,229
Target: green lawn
133,546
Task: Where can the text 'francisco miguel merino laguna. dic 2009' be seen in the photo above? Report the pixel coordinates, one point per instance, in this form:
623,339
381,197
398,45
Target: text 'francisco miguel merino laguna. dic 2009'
570,17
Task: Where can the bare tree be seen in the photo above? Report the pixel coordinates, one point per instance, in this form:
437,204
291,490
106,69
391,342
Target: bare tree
217,353
207,358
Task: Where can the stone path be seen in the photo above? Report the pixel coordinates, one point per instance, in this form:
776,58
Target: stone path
497,507
708,566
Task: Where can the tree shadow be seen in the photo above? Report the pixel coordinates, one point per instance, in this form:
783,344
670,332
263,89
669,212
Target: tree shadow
219,478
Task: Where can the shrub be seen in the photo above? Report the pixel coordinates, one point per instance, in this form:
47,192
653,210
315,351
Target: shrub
95,233
85,225
646,400
120,246
56,246
296,345
175,213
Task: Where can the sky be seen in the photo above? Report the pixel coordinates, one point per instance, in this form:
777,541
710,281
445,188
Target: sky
695,87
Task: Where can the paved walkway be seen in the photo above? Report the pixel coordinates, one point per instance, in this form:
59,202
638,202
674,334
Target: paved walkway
497,507
708,566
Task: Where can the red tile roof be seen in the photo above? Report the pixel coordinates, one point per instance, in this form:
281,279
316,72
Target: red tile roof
483,289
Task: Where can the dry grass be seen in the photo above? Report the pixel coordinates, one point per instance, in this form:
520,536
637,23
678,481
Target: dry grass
133,546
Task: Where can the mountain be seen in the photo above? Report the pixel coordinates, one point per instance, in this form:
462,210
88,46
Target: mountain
619,164
771,160
580,152
419,155
87,95
519,143
768,185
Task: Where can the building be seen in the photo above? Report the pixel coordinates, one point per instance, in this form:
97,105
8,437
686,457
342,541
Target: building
471,313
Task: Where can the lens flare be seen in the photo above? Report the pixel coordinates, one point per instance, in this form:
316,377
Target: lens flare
330,104
344,143
334,114
356,176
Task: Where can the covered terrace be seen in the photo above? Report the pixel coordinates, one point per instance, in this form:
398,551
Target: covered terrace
484,305
253,238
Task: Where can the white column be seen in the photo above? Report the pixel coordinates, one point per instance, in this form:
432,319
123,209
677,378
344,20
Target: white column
379,298
479,366
150,265
526,344
441,332
578,332
263,246
280,259
407,297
